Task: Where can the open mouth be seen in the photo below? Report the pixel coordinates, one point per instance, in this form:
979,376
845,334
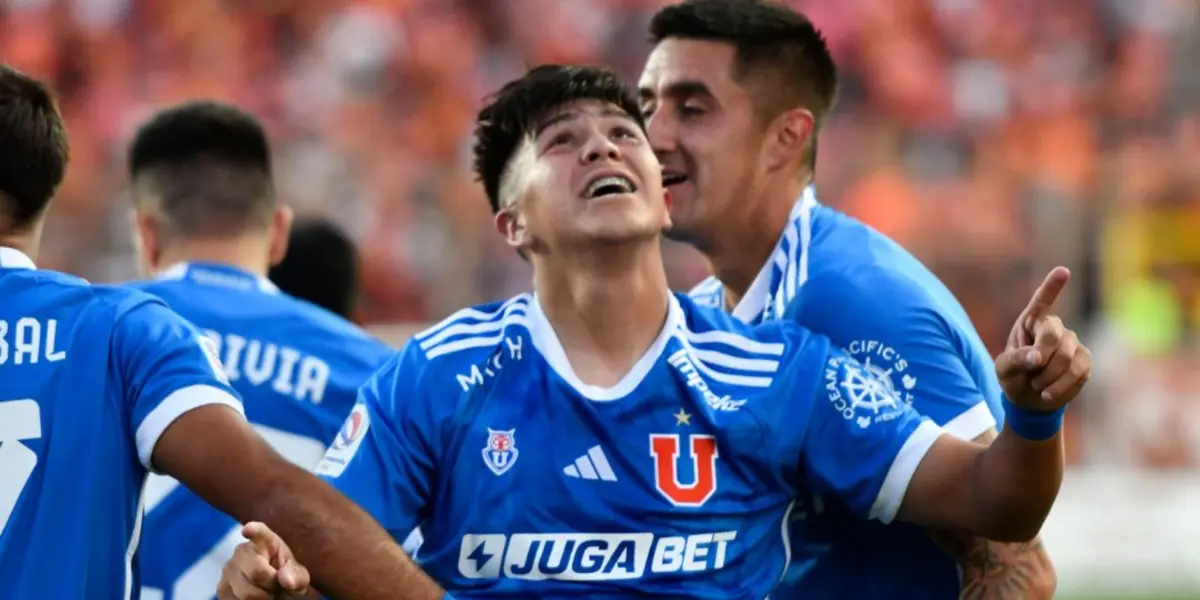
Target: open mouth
609,186
672,178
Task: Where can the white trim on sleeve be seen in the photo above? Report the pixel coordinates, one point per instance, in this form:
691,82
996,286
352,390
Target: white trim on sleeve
972,423
895,484
174,406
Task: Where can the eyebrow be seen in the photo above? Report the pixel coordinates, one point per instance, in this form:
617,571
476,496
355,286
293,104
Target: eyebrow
679,89
572,115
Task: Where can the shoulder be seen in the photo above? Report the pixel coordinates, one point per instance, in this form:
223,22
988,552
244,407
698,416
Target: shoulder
322,321
129,302
864,289
465,339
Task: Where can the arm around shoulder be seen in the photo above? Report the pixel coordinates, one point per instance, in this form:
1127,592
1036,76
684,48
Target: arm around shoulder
213,451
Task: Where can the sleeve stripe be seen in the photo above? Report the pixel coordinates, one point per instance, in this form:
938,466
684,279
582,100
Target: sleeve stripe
895,484
972,423
174,406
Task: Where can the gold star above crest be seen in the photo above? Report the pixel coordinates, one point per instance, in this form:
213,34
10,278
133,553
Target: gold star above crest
682,418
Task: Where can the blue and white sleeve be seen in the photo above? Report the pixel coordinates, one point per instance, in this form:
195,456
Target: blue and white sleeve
165,367
383,458
889,324
862,443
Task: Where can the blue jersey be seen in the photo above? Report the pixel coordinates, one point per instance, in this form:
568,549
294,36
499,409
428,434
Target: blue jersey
677,481
297,367
842,279
90,377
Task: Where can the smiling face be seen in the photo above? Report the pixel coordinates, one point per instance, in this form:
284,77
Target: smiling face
701,123
584,175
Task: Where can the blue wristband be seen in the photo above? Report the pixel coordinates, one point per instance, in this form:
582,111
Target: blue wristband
1036,425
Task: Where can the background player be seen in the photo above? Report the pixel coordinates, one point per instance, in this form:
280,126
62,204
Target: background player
735,93
98,385
562,393
208,227
321,266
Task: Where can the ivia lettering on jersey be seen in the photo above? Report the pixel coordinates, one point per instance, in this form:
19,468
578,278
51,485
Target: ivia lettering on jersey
590,556
493,365
289,372
868,399
29,341
883,361
687,368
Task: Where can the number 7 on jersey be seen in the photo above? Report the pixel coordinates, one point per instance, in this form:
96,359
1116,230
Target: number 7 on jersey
19,420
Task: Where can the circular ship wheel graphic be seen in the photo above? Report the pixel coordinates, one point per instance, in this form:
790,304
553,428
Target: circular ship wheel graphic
870,387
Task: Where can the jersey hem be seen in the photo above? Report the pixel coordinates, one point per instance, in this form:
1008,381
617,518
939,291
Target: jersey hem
174,406
900,474
972,423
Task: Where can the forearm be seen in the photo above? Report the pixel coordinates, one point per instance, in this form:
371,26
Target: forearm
998,570
346,552
1014,484
216,454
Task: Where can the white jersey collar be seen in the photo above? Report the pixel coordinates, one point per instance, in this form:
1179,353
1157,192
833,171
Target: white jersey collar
761,293
547,343
11,258
216,274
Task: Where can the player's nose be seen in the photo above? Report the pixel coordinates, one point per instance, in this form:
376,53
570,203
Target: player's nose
600,147
661,133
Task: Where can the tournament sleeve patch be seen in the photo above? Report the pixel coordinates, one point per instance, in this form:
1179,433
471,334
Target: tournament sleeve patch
346,443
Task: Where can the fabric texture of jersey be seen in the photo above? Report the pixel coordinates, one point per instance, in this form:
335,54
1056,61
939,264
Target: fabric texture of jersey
297,367
676,482
842,279
90,377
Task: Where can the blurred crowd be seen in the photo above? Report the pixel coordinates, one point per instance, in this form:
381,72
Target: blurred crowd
994,138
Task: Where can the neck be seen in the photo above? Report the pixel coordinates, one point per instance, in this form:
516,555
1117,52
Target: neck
606,307
744,245
247,253
25,241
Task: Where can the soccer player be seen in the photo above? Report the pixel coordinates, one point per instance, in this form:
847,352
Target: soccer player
735,92
209,226
99,385
321,266
603,437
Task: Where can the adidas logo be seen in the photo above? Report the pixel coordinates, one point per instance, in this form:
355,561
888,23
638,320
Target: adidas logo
593,465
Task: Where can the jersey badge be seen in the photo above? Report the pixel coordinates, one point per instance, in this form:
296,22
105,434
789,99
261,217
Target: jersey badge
500,453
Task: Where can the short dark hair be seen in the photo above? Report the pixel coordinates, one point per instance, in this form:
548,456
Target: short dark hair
207,165
321,266
515,111
770,39
33,147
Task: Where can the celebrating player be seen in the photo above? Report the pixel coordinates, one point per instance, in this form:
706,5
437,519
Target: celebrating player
735,93
100,384
605,437
209,226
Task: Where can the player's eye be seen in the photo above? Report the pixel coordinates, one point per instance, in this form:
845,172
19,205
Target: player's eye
559,139
647,111
622,132
690,110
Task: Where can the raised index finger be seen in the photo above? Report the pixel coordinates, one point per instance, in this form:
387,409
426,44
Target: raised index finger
267,542
1046,295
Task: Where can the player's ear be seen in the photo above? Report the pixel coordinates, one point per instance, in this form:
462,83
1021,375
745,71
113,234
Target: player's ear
790,136
281,231
511,226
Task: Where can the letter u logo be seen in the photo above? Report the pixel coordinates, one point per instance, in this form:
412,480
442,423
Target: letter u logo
703,450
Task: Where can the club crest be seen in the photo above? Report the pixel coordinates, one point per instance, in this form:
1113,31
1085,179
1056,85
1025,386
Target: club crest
501,452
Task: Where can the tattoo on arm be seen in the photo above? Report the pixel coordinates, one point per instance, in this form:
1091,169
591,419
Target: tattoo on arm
999,571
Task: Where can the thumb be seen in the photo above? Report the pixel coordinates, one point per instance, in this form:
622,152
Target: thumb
1016,361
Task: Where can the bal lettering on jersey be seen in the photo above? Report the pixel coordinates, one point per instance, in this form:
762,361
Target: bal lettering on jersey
29,341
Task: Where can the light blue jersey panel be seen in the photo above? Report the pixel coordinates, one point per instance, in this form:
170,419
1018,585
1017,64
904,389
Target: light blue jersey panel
842,279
